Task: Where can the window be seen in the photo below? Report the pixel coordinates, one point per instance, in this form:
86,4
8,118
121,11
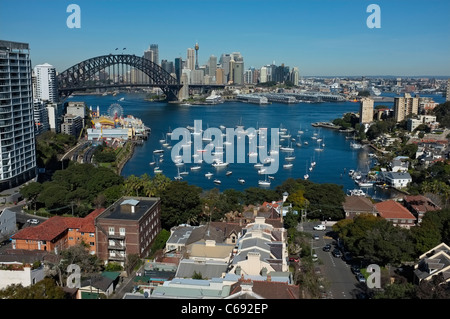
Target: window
122,231
91,234
111,230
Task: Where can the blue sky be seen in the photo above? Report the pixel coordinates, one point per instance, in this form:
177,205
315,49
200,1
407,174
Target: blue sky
320,37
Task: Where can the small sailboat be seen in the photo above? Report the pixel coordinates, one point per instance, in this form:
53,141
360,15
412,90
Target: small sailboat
241,181
288,165
157,170
264,182
208,175
178,177
196,168
228,173
217,182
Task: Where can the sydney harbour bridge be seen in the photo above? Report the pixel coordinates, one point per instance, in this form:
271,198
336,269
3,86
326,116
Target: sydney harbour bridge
120,71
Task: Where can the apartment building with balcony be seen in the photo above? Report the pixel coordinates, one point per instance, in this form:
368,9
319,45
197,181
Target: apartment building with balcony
129,226
17,136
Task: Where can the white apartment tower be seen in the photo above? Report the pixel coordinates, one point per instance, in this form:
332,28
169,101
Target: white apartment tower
366,111
17,138
404,106
46,88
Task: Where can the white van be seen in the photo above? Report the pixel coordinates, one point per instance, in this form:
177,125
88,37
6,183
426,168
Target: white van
320,227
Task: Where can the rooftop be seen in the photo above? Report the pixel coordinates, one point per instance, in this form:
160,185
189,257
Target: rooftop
56,225
391,209
129,208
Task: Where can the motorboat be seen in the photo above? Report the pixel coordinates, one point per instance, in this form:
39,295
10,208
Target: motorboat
357,192
241,181
228,173
196,168
289,165
217,181
263,183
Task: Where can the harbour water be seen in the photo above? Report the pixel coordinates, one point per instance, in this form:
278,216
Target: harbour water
333,161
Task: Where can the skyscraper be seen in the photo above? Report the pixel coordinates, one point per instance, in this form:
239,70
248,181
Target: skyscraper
46,88
17,139
155,49
190,59
403,106
225,63
212,65
178,68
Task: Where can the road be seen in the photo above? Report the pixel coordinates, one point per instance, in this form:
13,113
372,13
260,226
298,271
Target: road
341,282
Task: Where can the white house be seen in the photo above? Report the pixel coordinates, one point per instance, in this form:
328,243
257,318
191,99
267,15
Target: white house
396,179
19,273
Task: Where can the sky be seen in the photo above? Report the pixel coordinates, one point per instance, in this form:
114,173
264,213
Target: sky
320,37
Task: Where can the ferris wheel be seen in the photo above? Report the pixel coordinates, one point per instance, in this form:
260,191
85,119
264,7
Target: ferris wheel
115,110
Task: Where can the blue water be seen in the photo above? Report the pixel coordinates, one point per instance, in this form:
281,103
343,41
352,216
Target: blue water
333,163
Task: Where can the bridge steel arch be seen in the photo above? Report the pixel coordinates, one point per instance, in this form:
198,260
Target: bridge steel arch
79,77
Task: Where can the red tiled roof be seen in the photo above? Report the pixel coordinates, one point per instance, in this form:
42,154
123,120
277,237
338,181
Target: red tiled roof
390,209
56,225
269,289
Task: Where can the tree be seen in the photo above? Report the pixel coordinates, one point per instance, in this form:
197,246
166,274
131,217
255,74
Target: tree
180,204
44,289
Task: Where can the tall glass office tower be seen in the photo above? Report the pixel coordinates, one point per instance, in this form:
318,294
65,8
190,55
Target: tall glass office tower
17,139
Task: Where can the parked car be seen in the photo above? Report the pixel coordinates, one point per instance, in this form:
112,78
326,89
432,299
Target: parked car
316,237
337,253
320,227
360,277
327,247
314,257
355,269
347,256
33,221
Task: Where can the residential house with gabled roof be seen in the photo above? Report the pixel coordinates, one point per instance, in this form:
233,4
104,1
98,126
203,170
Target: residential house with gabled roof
396,213
58,233
256,289
419,205
357,205
433,262
260,250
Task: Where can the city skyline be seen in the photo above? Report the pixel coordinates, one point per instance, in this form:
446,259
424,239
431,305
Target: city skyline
322,38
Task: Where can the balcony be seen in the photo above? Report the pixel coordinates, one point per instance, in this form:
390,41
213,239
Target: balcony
114,236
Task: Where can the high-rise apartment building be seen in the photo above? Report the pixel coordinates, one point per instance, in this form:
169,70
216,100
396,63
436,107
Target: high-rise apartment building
40,117
46,88
366,111
17,138
404,106
263,75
